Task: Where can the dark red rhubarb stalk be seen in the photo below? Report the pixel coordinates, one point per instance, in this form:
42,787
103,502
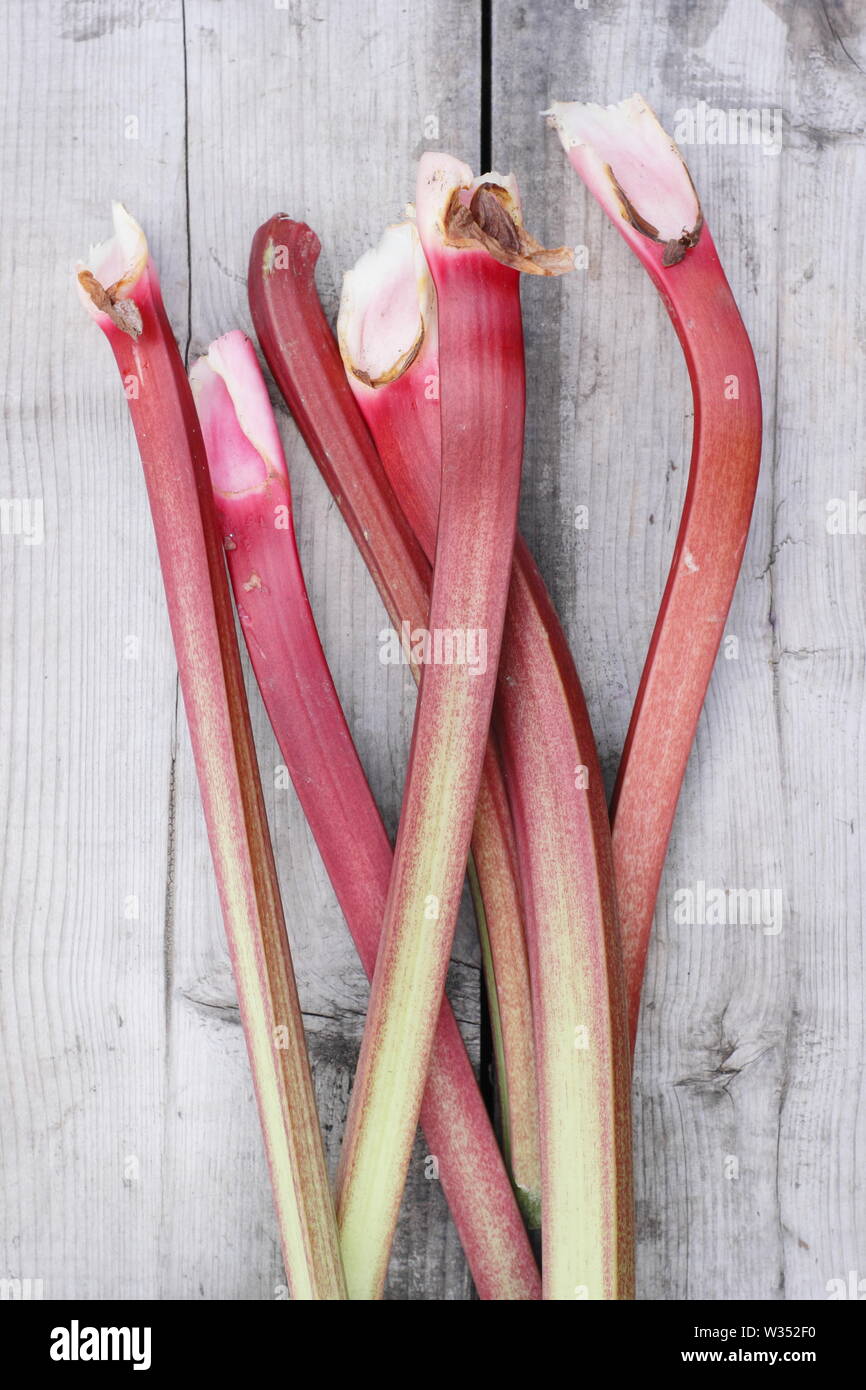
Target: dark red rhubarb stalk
253,501
388,337
635,171
462,222
120,289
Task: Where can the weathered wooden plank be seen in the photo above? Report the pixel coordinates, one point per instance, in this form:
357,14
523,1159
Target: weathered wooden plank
819,652
750,1057
88,679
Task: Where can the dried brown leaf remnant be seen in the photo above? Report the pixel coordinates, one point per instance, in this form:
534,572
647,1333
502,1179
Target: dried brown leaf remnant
488,220
124,313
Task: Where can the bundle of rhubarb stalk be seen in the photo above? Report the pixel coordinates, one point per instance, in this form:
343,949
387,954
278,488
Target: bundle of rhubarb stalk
414,414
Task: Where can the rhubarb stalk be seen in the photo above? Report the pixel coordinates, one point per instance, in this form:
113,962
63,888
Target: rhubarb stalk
305,361
635,171
462,223
120,289
253,501
388,337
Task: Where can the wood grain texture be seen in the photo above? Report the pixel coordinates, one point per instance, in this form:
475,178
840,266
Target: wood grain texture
131,1158
749,1087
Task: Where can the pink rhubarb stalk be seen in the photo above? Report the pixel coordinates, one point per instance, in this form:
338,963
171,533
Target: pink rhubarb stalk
120,289
304,358
253,501
388,338
461,222
635,171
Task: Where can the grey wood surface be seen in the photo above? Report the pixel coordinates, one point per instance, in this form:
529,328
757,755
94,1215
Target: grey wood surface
130,1152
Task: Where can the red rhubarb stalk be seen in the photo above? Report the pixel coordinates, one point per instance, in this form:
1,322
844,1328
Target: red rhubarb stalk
482,387
253,501
120,289
388,338
635,171
389,342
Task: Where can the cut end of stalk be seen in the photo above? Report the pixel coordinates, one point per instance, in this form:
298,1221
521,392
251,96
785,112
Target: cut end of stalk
387,308
243,444
634,169
107,280
285,244
462,213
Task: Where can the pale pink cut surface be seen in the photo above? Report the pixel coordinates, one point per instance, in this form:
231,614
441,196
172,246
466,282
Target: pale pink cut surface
386,302
241,438
627,139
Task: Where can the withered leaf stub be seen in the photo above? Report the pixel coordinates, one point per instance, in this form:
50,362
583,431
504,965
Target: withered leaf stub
492,218
678,246
488,221
124,313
